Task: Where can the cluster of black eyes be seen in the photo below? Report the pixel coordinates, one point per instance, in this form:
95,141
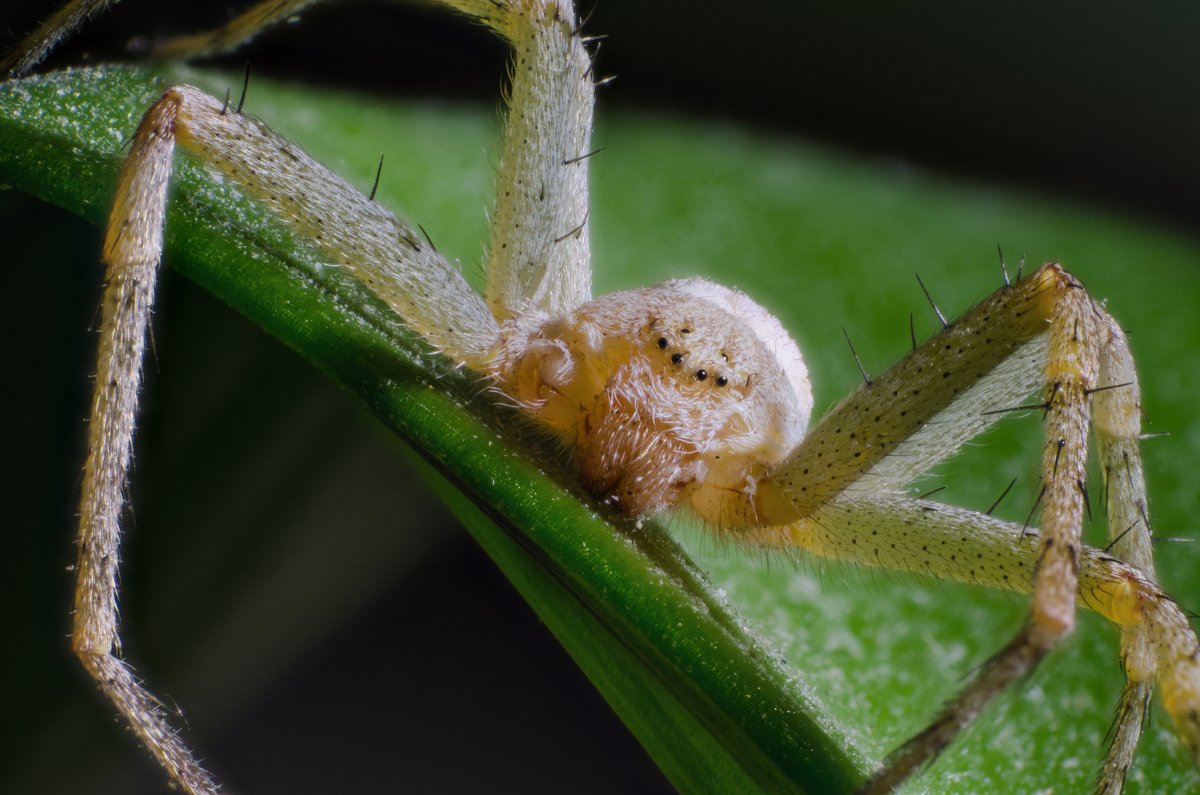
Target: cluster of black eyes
701,374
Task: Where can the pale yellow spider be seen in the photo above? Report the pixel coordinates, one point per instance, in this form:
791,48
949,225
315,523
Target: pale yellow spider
684,393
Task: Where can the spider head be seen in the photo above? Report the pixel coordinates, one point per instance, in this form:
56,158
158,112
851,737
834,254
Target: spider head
747,391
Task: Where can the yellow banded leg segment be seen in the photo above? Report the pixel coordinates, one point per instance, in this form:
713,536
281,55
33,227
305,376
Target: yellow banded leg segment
1125,596
1072,371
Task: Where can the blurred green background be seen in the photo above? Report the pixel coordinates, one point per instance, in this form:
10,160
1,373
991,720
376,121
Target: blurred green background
285,501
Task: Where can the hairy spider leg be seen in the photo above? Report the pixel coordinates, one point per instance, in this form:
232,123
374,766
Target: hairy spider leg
132,249
539,257
843,484
354,233
34,48
1116,421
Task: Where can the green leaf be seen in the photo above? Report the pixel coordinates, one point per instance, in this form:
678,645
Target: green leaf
717,712
697,671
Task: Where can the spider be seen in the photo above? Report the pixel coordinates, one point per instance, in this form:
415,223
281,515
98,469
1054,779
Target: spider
684,394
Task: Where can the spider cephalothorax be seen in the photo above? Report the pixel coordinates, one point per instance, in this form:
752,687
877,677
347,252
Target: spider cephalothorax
685,392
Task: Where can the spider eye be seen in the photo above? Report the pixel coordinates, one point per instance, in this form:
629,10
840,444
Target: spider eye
701,375
662,342
722,380
676,358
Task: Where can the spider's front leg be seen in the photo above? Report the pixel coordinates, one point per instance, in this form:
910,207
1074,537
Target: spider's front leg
841,485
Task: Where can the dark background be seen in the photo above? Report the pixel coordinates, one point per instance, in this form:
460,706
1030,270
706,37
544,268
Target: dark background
1092,98
1084,99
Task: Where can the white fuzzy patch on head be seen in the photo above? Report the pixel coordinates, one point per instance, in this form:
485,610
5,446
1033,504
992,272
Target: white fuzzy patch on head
767,329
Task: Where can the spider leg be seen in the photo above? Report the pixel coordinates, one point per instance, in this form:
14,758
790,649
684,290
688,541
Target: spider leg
892,429
131,253
539,257
237,30
351,231
1116,420
540,260
1070,371
947,542
34,48
1043,330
